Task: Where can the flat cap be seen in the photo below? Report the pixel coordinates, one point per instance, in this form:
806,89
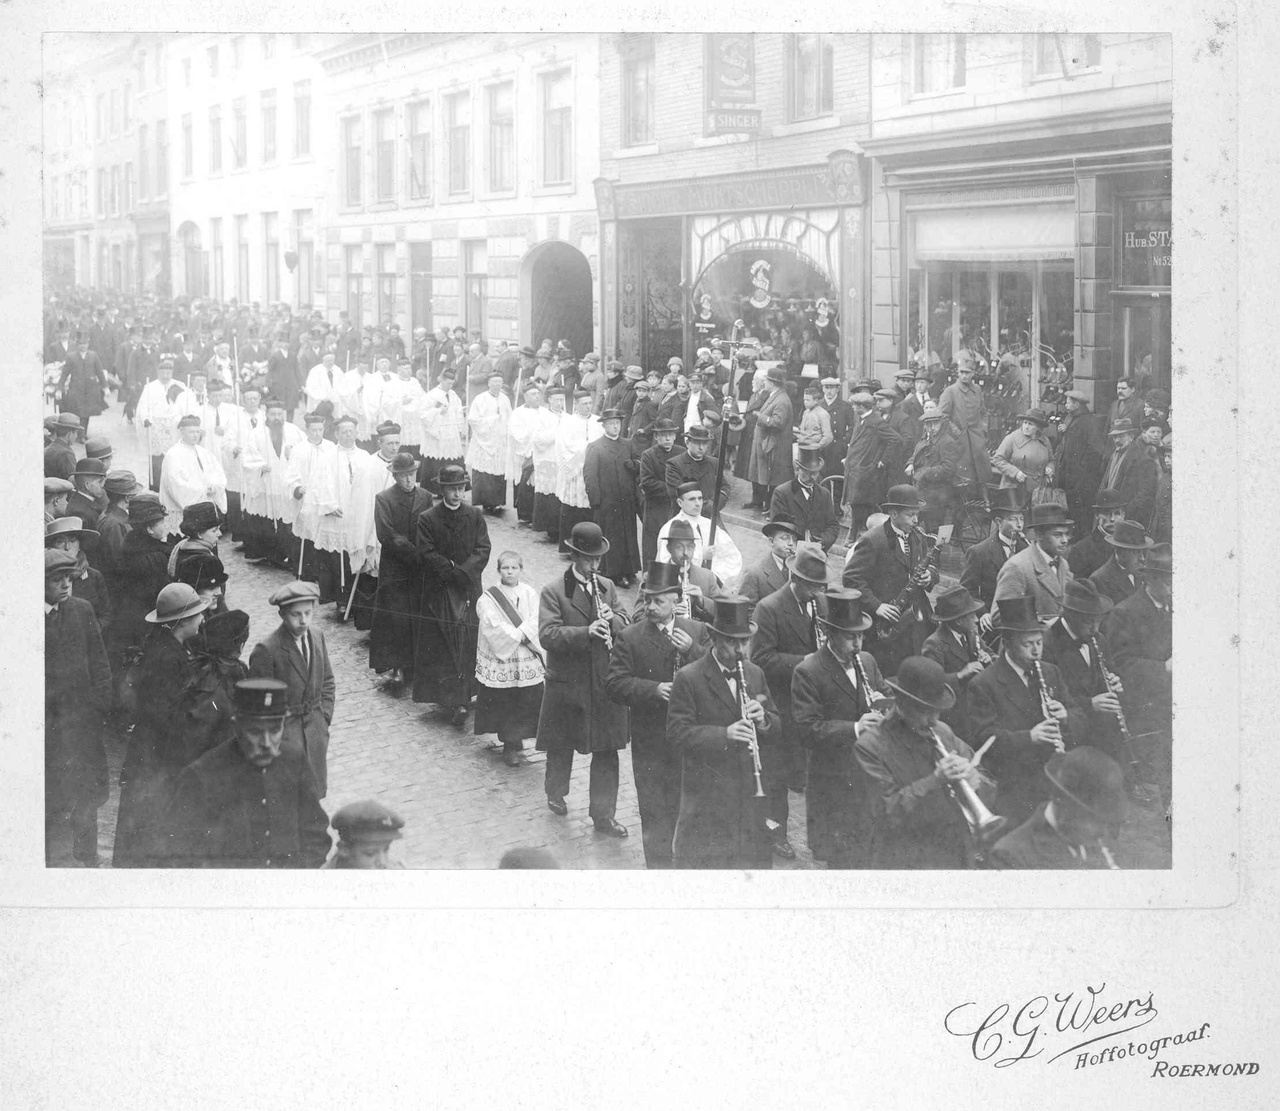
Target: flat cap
55,486
367,818
121,484
296,591
58,562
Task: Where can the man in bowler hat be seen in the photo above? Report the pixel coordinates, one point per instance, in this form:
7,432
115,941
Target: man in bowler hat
1040,570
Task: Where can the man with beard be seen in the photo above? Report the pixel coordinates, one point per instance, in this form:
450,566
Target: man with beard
395,513
1085,556
1077,461
452,542
659,501
488,418
1131,471
609,472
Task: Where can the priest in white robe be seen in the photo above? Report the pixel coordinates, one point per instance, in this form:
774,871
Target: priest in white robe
269,508
572,437
524,421
546,506
488,419
321,390
190,473
312,481
403,402
157,414
368,475
443,421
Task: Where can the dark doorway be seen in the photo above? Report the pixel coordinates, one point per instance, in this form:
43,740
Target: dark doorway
559,296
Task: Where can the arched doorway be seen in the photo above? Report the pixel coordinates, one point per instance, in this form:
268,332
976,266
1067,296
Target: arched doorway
556,296
192,260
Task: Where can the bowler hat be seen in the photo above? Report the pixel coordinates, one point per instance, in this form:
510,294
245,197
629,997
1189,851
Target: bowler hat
91,468
98,447
1121,426
679,530
954,603
1005,500
296,591
924,682
904,496
1129,534
64,422
201,572
63,527
260,698
174,602
451,475
58,562
698,434
587,539
145,509
199,516
664,424
1109,498
367,820
845,611
661,578
1081,596
733,616
121,484
1049,515
1159,561
1092,780
809,563
775,374
1017,615
810,458
781,523
402,463
1036,416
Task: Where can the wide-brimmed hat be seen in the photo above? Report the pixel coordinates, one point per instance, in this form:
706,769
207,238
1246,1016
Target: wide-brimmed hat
664,424
65,422
698,435
58,562
146,508
1121,426
954,603
62,527
198,517
1081,596
1007,499
261,698
680,529
587,539
809,563
402,463
1049,515
845,611
1109,498
174,602
904,496
924,682
781,523
121,484
661,578
1159,561
1091,780
1129,534
1036,416
810,458
775,374
98,447
733,616
451,475
1017,615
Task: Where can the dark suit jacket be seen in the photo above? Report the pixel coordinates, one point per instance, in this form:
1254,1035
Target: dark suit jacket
681,468
1083,682
873,445
79,504
763,579
1036,844
643,658
1112,582
311,695
1141,641
783,639
77,696
1135,481
880,570
982,565
59,461
941,647
815,514
1087,555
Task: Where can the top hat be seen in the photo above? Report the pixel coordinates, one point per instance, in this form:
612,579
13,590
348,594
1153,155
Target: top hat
1121,426
954,603
260,698
1017,615
1049,515
780,523
199,516
587,539
1006,499
451,475
680,529
91,468
58,562
809,563
662,578
1129,534
144,510
810,458
698,435
904,496
174,602
1109,498
98,447
845,611
403,463
663,424
368,820
67,526
924,682
1081,596
1159,561
1091,780
733,616
1036,416
121,484
776,375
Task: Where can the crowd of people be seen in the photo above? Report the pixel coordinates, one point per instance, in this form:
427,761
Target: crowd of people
1010,720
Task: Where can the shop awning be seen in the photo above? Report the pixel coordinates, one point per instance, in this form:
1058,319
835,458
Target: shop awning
996,234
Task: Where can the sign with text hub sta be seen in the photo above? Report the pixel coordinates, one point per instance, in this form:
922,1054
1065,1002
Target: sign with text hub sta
733,121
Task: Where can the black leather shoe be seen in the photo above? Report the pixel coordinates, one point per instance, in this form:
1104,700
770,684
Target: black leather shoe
511,759
782,847
557,806
610,827
459,716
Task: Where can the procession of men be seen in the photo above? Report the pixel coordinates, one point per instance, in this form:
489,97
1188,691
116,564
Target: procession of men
1019,717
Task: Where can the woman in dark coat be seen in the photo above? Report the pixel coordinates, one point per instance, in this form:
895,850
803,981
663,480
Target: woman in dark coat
157,748
142,575
217,668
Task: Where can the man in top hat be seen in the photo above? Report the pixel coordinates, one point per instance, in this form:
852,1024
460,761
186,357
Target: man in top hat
954,645
578,620
1140,631
1118,577
269,507
60,456
77,698
842,418
872,448
295,653
190,472
770,463
1009,701
365,832
658,497
963,405
396,511
1130,470
642,667
805,502
241,805
770,573
1073,829
1077,460
573,436
935,466
89,501
69,535
452,547
916,823
887,564
83,383
835,694
1087,555
982,561
718,730
1040,570
787,631
159,412
609,472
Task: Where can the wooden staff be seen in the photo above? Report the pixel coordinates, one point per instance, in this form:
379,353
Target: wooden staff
352,596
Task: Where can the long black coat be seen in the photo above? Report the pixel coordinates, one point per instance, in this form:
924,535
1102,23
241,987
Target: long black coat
1136,480
784,637
873,446
814,513
658,504
1141,641
1086,556
399,597
143,573
721,822
577,712
880,570
1112,582
1083,682
609,473
1077,462
825,706
227,813
77,696
84,385
943,648
642,658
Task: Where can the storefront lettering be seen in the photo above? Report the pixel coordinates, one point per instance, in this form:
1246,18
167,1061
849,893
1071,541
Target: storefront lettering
1151,239
794,190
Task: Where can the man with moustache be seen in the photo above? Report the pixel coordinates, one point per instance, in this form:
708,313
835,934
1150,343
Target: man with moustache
1130,470
659,501
1119,576
1077,460
1087,555
1040,570
982,562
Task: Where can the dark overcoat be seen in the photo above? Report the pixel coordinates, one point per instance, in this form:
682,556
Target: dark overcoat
59,461
872,448
1037,845
1077,463
813,511
77,697
1088,555
1141,641
682,468
784,637
762,579
942,647
84,385
982,563
879,568
1083,682
143,573
658,505
89,510
577,712
1112,582
399,597
609,473
771,444
1135,481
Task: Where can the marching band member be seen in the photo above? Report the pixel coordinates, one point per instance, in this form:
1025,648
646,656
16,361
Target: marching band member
1040,571
771,572
1118,577
983,561
954,645
807,503
1085,556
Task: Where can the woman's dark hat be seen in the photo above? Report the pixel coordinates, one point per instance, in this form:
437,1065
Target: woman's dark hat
198,517
924,682
1036,416
201,572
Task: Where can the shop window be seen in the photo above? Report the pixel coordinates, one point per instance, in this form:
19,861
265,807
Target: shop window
811,71
1059,55
557,127
458,128
419,128
502,137
637,92
386,256
939,63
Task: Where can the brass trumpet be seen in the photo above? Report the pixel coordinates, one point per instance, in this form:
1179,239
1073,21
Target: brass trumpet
984,825
754,743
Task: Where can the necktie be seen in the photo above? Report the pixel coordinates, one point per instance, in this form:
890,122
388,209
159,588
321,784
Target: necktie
812,608
305,649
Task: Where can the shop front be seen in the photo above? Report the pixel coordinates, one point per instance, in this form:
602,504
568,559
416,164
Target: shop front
781,251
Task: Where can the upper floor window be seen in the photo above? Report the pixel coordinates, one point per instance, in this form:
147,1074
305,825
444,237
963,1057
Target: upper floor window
418,126
384,138
239,133
811,72
637,92
1059,55
352,152
186,72
502,137
237,52
268,47
939,63
268,125
213,61
557,127
458,128
301,118
215,139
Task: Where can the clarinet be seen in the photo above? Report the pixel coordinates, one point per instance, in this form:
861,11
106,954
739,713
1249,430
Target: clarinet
875,699
603,611
1112,682
754,743
1043,688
